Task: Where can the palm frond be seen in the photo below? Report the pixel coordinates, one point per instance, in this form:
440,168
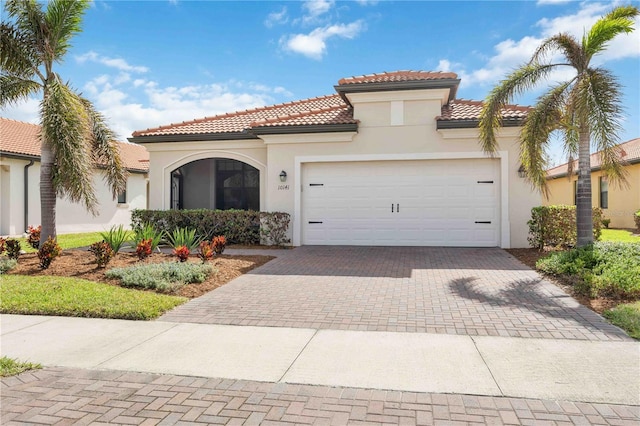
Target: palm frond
65,128
619,20
519,81
603,93
17,54
542,120
15,89
29,16
105,150
63,19
568,45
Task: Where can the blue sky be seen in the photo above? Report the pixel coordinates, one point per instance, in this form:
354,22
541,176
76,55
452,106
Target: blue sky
149,63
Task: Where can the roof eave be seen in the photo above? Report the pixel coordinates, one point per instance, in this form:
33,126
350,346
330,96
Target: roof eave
593,169
442,83
191,137
306,128
470,124
19,156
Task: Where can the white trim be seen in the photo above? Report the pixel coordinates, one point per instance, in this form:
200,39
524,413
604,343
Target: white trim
503,156
441,95
474,132
166,171
204,145
397,113
301,138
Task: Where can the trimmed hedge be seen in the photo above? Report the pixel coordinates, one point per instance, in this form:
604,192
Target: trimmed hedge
238,226
555,226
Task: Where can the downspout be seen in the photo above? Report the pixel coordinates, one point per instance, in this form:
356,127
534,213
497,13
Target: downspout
26,194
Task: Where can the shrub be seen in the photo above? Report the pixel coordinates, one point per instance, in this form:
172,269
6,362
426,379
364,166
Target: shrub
273,228
34,236
606,223
102,252
219,243
115,237
143,249
636,218
147,232
205,251
555,226
49,251
604,268
3,245
165,277
239,226
13,248
183,237
7,264
181,252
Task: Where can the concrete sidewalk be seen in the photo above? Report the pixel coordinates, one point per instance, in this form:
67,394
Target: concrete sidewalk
569,370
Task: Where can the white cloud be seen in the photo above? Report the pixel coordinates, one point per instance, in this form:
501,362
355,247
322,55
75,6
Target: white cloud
313,45
277,18
509,54
27,110
116,63
316,8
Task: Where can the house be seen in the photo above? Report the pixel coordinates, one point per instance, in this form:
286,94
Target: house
390,159
20,186
618,202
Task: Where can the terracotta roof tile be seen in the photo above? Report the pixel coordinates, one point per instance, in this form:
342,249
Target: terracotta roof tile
340,114
243,120
463,109
630,151
18,137
407,75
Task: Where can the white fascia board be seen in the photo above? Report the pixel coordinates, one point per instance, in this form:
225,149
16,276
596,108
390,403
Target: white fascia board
441,95
301,138
203,145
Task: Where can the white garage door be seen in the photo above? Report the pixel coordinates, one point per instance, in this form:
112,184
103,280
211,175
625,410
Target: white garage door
402,203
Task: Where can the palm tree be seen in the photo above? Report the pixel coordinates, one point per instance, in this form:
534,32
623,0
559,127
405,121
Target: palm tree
74,136
583,110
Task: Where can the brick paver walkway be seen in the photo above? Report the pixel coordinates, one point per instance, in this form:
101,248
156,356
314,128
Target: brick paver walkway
72,396
422,289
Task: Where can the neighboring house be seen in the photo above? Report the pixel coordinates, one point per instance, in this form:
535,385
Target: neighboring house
391,159
20,181
618,202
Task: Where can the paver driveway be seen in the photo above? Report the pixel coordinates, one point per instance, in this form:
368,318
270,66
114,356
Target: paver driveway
466,291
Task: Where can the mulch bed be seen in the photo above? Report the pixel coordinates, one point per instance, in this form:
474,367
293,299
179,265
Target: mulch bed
81,264
531,255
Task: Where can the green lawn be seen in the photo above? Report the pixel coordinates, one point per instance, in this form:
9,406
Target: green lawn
68,241
618,235
627,317
51,295
11,367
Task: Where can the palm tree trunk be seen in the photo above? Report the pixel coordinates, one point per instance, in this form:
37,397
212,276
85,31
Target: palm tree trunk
47,194
584,218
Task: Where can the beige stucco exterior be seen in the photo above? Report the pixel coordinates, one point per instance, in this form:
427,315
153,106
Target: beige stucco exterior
70,217
393,125
624,200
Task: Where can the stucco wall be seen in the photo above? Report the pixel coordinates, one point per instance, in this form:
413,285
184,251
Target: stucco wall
623,200
391,124
70,217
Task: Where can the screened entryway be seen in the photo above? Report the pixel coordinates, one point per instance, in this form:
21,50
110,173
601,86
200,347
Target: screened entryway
215,183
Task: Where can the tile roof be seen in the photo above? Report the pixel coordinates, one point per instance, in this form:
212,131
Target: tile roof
630,152
340,114
20,138
243,120
463,109
387,77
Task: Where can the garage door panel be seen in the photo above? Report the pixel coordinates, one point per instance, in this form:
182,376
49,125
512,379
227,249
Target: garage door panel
440,202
